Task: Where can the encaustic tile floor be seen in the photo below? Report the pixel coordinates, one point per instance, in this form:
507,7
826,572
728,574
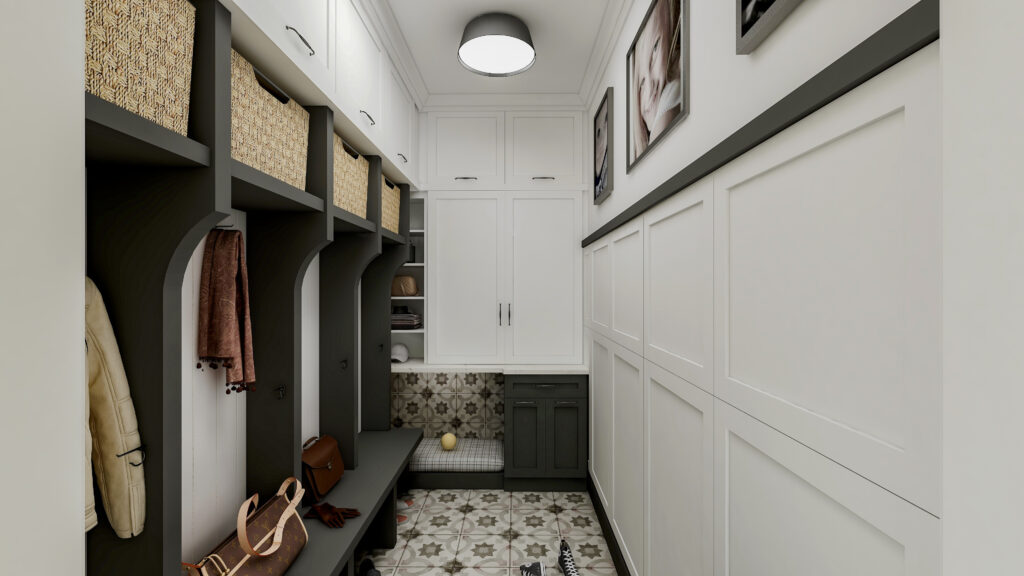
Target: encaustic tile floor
491,533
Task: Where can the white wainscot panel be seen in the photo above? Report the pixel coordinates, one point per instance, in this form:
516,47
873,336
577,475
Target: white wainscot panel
785,510
627,245
311,350
600,313
680,476
602,420
678,284
828,281
628,518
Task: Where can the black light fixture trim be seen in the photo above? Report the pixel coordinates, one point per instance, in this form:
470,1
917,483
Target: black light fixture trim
497,24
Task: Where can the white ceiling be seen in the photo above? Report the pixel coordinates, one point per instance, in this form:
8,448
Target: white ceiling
564,34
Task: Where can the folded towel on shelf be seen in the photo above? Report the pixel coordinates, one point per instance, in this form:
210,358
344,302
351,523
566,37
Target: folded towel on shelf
225,328
406,321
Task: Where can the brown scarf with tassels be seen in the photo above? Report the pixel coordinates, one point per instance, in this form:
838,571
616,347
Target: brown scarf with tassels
225,330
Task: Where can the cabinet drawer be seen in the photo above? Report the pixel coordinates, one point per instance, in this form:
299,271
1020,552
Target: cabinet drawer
534,386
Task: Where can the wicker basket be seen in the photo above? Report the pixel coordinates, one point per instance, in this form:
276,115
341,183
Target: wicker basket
138,55
269,136
351,179
390,205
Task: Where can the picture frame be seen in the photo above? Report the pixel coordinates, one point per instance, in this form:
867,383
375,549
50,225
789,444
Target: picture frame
757,19
604,145
659,56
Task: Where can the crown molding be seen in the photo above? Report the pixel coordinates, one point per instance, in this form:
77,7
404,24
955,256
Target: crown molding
390,35
612,23
568,101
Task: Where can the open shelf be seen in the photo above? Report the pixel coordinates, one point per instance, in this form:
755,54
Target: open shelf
254,190
346,222
413,265
416,331
384,456
114,135
417,232
407,297
390,237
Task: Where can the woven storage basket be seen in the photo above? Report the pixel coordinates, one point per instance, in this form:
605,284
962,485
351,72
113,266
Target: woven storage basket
390,204
138,55
351,179
269,136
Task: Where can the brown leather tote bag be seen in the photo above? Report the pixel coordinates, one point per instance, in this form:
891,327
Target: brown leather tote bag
322,466
266,541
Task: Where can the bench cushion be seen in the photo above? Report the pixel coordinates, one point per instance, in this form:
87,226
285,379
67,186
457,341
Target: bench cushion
469,455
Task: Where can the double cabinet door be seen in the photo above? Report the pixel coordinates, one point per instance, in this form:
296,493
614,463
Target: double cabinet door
546,430
504,281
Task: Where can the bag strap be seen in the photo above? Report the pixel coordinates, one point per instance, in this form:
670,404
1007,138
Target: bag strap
310,442
243,514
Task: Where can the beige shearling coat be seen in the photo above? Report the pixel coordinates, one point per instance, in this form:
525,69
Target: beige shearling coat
116,458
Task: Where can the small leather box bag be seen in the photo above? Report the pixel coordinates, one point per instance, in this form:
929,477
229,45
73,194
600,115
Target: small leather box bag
404,286
321,466
266,541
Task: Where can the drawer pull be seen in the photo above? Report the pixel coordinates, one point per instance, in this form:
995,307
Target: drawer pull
303,38
565,403
543,177
465,177
545,385
367,114
526,403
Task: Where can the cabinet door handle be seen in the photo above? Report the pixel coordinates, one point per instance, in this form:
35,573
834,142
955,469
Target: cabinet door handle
521,403
509,313
303,38
545,385
367,114
565,403
499,313
465,177
543,177
404,159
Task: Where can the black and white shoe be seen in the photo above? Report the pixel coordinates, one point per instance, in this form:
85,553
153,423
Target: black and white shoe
535,569
565,560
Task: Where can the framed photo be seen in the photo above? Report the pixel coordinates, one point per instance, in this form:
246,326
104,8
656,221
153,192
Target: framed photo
657,77
603,144
757,19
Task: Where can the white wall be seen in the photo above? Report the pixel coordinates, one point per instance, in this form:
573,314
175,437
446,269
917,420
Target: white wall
42,291
311,350
726,90
983,285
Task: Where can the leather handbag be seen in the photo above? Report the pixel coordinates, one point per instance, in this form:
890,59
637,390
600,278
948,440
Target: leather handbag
404,286
322,466
266,541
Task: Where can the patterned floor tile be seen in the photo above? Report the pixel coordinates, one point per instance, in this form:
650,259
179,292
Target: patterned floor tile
573,500
388,558
525,549
598,572
477,551
536,523
579,523
417,571
503,571
440,520
430,550
449,498
410,515
531,500
487,522
590,552
418,497
490,499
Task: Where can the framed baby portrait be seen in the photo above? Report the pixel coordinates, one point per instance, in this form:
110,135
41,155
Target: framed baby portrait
657,78
603,144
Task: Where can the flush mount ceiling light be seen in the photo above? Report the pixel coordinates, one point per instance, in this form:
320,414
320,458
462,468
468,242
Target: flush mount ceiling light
497,44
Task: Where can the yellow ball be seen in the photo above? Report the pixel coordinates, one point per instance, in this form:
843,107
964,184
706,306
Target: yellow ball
448,441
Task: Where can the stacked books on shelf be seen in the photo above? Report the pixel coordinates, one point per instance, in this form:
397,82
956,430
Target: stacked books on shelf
403,319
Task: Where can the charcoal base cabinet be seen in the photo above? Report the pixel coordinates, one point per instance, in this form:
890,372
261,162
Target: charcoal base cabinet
546,426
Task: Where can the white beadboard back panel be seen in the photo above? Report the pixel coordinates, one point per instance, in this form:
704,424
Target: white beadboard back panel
829,281
311,350
212,433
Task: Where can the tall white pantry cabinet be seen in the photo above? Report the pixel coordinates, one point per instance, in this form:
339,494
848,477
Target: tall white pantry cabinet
505,279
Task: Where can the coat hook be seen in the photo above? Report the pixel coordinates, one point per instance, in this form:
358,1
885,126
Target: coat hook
280,392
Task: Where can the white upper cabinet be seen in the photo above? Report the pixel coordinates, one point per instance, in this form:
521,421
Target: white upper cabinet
466,150
399,116
302,30
543,149
359,66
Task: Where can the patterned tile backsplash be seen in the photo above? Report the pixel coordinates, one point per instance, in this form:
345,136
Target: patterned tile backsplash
467,405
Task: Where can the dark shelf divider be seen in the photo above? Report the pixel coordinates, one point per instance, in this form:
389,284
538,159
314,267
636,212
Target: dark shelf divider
145,216
252,190
346,222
